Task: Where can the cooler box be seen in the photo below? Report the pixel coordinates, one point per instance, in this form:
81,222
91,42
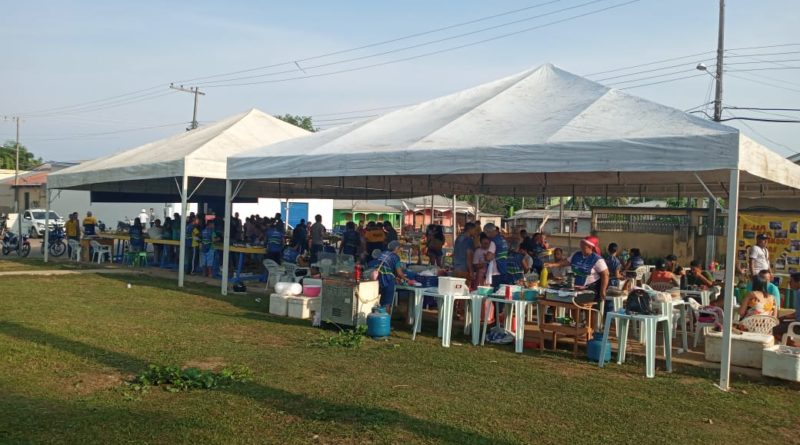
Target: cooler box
746,349
452,286
426,281
303,307
782,362
278,305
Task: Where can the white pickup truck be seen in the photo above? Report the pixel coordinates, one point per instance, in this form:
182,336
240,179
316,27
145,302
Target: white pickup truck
33,221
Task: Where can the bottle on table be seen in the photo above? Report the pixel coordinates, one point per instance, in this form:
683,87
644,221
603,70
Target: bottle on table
543,277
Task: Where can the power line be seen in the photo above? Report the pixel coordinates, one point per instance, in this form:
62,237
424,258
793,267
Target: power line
96,101
763,109
346,118
762,61
778,68
105,133
652,77
791,150
418,56
646,71
105,106
660,82
396,50
360,111
761,82
372,45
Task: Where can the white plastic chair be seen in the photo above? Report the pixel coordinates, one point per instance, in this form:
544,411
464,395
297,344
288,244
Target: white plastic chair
792,333
100,252
274,273
760,324
700,327
75,249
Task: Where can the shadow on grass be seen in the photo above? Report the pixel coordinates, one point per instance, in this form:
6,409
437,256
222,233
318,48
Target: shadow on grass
353,416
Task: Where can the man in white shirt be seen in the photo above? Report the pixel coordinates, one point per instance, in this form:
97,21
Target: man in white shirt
144,218
759,256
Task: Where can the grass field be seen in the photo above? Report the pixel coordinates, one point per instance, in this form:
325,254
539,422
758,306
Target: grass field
68,342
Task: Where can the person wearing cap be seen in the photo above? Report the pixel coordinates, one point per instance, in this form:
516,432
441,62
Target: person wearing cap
144,218
389,271
758,259
591,270
499,256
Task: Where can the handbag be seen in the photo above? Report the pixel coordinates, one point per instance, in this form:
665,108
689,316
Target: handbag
375,274
639,302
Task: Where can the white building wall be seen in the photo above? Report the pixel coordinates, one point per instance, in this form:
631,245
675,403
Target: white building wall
270,206
68,201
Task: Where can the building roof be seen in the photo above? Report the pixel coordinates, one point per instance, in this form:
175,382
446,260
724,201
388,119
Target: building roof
551,214
356,205
28,179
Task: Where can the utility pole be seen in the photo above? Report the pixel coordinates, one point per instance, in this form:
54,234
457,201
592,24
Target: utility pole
720,57
16,189
196,91
711,234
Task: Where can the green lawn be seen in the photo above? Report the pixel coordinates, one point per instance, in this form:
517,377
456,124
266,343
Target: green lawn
68,342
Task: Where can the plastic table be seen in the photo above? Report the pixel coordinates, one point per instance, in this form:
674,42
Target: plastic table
445,327
650,323
518,307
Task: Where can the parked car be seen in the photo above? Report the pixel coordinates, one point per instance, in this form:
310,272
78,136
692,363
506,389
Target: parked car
33,221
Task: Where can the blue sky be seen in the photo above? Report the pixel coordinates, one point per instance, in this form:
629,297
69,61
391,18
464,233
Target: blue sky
70,52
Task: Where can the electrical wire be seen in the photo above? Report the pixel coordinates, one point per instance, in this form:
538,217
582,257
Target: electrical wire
106,133
397,50
651,77
758,133
418,56
105,106
761,82
660,82
777,68
96,101
372,45
645,71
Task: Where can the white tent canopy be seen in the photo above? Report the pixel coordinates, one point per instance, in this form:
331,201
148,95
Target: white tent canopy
165,169
200,153
544,131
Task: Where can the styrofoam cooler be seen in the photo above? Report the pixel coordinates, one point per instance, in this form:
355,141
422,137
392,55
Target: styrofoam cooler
452,286
278,305
782,362
303,307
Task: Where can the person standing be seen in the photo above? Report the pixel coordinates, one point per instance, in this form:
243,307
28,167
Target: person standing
144,218
317,238
758,259
156,232
499,256
274,237
72,229
351,241
152,217
207,251
463,251
389,271
591,270
391,234
236,228
89,224
375,237
136,234
300,237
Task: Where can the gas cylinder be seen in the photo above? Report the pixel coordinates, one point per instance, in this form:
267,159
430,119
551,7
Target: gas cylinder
379,323
593,348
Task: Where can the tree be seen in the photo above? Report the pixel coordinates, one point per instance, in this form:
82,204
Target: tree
304,122
8,155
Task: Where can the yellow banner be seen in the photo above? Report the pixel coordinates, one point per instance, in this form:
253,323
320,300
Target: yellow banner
783,243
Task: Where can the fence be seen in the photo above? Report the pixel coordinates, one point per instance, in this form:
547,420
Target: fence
641,223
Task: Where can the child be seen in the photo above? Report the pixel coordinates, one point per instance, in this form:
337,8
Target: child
479,262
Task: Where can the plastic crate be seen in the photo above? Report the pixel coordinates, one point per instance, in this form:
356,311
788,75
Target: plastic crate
427,281
303,307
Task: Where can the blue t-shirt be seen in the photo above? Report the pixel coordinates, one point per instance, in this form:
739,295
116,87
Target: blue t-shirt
514,265
582,266
290,255
614,264
771,289
463,245
207,238
350,242
274,240
389,261
500,253
137,240
636,261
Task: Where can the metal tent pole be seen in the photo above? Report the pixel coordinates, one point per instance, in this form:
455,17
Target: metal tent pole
46,240
184,214
226,248
730,274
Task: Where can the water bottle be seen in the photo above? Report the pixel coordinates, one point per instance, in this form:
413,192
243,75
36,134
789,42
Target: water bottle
543,277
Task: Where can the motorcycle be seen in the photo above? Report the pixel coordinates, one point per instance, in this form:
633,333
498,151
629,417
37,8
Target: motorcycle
11,242
57,241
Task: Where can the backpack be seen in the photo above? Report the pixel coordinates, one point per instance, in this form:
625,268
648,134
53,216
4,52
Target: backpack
639,302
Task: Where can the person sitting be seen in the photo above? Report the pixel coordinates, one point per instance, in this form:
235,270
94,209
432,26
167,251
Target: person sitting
786,320
635,260
661,277
758,301
771,288
699,277
615,276
558,271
